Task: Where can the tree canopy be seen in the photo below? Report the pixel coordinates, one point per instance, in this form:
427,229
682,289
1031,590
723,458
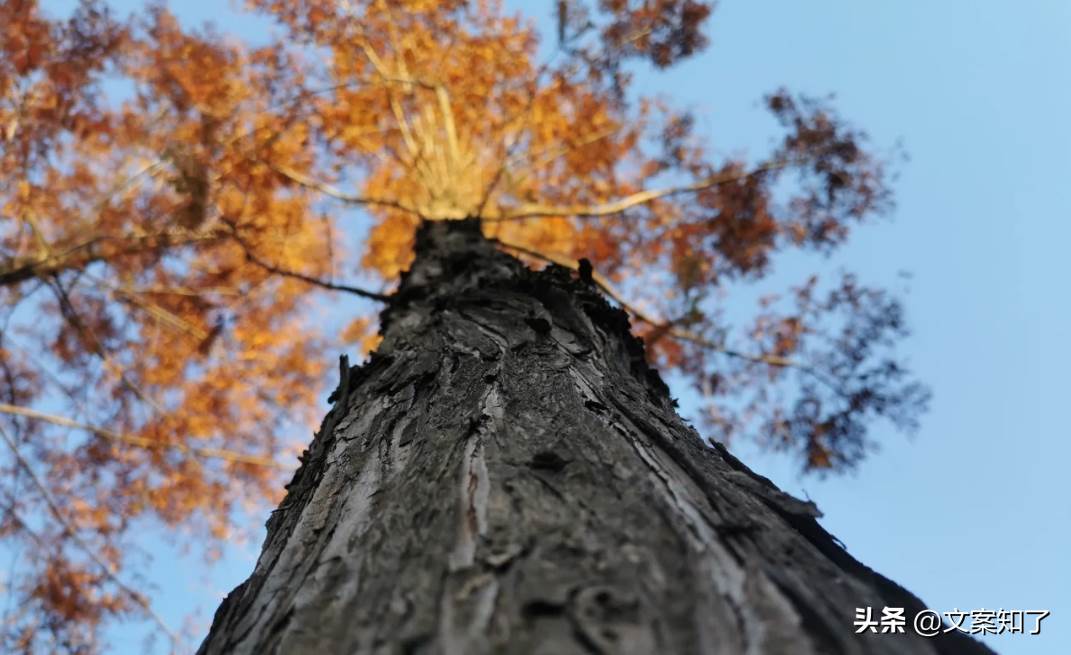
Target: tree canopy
173,212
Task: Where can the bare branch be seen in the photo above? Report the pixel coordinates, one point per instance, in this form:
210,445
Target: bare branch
141,442
396,108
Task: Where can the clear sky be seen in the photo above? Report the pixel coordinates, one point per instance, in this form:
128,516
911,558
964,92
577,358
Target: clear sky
975,511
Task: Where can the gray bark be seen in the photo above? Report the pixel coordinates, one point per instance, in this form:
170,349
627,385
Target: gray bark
507,475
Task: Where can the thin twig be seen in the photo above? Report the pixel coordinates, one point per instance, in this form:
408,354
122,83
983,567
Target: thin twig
71,315
549,155
109,571
308,279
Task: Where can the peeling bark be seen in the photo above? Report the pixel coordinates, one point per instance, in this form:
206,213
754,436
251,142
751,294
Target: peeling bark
507,475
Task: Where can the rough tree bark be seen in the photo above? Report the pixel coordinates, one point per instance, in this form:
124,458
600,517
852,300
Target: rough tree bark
507,475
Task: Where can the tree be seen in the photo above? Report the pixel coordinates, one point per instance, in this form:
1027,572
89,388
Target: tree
166,235
508,475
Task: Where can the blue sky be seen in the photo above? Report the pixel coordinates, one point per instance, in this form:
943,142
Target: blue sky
974,511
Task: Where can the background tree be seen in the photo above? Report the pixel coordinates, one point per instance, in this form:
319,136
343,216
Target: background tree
165,245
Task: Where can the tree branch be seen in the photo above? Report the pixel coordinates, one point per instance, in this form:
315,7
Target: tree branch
88,251
538,210
141,442
308,279
337,194
159,313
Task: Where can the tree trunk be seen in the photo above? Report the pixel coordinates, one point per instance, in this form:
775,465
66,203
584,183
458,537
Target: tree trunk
507,475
